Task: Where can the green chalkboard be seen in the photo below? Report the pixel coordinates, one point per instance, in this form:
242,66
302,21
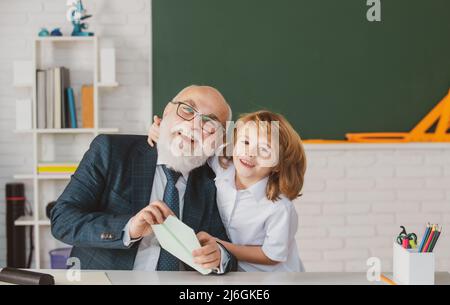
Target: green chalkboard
321,63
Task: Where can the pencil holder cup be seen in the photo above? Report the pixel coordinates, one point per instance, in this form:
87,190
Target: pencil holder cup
412,267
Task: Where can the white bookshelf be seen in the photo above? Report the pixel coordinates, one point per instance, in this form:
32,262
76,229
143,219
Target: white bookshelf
70,130
108,85
47,183
30,221
42,177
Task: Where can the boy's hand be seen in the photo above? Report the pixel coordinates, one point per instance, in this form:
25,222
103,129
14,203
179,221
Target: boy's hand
153,132
224,162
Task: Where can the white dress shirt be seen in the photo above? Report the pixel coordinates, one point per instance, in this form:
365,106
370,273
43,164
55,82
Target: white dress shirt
148,252
252,219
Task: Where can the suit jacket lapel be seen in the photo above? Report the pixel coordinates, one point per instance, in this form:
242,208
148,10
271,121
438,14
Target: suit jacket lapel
142,174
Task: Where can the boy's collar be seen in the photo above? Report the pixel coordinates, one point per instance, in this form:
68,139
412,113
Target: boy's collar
257,190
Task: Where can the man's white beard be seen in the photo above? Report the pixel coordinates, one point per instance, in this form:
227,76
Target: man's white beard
180,161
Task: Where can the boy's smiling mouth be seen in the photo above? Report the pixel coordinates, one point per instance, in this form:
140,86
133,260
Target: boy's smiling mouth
246,163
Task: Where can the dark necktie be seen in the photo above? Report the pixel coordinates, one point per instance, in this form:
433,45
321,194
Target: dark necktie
166,261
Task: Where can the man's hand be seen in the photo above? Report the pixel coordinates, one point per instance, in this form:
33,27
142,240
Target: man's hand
153,214
153,132
208,256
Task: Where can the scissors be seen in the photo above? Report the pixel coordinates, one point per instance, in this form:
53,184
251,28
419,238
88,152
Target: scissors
407,240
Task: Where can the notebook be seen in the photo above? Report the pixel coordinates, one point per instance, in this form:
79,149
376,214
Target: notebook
179,240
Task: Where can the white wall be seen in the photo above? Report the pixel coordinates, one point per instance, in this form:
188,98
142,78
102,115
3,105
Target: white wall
357,196
126,107
354,199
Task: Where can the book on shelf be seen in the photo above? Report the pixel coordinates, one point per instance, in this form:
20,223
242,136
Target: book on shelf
52,101
49,97
57,97
65,84
57,167
41,99
72,117
87,106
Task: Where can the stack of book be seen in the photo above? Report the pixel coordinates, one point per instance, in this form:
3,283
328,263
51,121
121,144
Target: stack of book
55,100
56,168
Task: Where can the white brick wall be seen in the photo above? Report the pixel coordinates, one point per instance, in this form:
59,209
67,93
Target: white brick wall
354,199
351,211
126,107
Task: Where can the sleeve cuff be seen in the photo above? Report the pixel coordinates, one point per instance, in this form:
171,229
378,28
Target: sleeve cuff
127,241
275,257
224,260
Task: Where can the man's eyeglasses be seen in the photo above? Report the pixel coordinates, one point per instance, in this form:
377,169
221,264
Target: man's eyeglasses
188,113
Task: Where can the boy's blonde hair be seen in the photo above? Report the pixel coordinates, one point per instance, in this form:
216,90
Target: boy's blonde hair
288,175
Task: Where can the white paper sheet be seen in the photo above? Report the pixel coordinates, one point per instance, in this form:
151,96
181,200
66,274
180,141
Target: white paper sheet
179,240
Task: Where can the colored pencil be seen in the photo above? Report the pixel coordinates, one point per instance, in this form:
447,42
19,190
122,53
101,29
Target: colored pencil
429,239
425,236
435,239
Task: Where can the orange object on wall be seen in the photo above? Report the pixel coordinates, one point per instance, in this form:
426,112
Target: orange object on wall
439,116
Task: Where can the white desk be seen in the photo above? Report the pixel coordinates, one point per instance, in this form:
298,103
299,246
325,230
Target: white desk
240,278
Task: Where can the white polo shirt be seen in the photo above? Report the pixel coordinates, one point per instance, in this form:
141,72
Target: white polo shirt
253,220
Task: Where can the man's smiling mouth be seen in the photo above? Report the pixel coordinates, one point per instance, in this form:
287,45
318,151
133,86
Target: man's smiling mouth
186,139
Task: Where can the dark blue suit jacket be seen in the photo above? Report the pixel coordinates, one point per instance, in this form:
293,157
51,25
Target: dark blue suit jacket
112,183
